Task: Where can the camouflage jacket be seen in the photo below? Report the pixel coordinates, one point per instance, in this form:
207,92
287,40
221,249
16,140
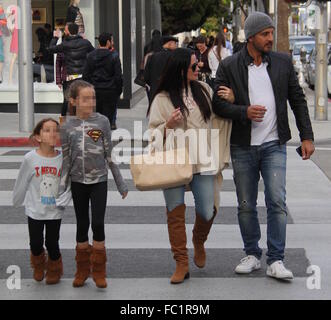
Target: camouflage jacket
86,148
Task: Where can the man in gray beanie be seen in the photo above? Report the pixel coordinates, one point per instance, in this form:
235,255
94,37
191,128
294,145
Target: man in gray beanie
255,85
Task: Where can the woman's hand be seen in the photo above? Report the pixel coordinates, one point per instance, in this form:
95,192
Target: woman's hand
175,120
226,94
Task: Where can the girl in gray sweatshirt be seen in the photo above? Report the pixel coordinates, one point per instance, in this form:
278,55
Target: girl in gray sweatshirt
37,187
87,148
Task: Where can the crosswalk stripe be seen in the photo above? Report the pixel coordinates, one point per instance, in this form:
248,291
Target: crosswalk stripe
147,198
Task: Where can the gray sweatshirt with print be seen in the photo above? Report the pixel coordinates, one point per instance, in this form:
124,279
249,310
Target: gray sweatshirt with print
87,148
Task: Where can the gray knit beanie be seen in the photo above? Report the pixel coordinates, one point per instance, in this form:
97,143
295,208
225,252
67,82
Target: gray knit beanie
256,22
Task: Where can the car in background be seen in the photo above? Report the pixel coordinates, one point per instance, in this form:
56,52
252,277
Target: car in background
296,39
310,72
307,46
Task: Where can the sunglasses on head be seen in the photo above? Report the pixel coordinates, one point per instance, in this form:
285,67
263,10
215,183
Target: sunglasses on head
194,66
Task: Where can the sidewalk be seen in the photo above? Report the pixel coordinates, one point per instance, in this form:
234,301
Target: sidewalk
10,136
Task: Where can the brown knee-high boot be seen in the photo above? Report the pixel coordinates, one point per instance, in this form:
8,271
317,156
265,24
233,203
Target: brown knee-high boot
54,271
177,237
200,233
83,266
98,261
38,264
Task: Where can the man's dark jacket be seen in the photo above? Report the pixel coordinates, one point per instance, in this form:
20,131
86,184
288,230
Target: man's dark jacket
75,50
154,69
103,69
233,73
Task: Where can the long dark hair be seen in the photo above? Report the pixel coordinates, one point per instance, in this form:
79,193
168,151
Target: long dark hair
174,81
220,43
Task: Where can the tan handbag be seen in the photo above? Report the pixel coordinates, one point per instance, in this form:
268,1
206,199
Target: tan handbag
161,169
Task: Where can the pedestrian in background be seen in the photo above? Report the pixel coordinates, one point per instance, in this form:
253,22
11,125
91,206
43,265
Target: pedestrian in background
262,82
75,50
217,53
183,102
156,63
203,63
115,54
103,70
87,147
61,77
240,43
37,187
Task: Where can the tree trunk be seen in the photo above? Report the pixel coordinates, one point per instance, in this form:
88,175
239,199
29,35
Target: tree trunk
282,30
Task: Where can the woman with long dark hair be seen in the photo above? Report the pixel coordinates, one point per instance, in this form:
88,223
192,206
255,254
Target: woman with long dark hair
183,102
217,53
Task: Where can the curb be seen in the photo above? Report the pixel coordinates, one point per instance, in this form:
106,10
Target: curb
19,142
8,142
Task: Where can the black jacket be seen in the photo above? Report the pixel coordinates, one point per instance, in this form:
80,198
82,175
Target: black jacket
72,14
75,50
233,73
103,69
154,68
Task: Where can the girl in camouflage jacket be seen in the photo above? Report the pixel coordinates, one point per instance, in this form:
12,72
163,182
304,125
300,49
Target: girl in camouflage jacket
87,147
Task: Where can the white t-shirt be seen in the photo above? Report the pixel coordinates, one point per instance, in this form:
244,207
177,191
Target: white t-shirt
37,187
261,93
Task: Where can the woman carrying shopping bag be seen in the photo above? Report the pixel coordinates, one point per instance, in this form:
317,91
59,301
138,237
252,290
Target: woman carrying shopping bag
182,102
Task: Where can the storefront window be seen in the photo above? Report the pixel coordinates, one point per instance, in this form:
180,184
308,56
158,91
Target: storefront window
47,15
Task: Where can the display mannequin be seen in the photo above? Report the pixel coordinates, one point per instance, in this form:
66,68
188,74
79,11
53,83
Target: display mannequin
74,15
12,24
3,22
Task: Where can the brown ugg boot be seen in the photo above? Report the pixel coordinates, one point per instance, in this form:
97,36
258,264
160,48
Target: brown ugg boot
54,271
38,264
177,237
83,266
200,233
98,261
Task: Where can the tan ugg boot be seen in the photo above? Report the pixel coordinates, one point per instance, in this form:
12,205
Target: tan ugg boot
83,266
54,271
200,233
98,261
177,237
38,264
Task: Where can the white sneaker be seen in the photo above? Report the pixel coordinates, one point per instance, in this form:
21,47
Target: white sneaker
277,270
248,264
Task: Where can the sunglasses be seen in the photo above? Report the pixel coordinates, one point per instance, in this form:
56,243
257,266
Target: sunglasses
194,66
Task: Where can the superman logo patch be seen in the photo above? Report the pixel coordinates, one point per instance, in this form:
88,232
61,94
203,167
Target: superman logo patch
95,135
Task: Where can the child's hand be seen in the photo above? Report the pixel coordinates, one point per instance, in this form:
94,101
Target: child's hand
124,195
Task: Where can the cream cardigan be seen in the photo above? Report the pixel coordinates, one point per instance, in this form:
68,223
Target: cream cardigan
161,111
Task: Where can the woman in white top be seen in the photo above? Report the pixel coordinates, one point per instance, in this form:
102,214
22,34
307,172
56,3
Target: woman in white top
217,53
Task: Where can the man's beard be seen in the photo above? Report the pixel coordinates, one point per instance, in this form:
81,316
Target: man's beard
263,49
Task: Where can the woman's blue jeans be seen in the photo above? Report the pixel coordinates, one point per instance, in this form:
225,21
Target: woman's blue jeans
269,160
202,187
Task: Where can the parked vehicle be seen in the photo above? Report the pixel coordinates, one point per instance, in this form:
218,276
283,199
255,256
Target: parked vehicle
296,39
307,46
310,72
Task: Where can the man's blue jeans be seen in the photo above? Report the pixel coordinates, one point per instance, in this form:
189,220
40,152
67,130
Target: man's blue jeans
269,160
202,187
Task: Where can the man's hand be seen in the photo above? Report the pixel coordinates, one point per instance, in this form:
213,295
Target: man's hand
307,148
256,113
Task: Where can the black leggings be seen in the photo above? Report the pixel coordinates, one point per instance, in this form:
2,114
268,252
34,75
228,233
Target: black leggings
36,233
81,196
